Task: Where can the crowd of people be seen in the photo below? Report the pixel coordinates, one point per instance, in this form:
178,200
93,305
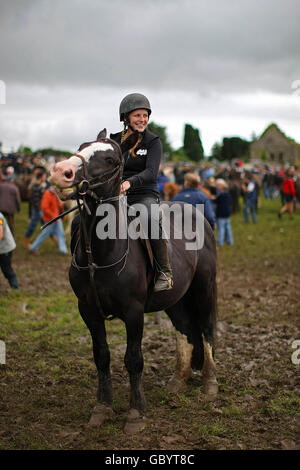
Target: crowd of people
218,188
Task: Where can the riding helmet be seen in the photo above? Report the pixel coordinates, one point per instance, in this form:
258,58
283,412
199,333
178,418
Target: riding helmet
132,102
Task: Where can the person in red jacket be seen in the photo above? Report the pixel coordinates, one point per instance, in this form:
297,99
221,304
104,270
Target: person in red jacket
51,207
288,193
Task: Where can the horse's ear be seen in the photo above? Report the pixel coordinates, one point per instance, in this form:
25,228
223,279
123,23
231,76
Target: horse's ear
101,135
129,142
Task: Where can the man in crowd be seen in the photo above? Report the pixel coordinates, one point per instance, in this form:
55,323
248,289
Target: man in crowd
36,194
10,201
51,208
7,245
250,197
193,195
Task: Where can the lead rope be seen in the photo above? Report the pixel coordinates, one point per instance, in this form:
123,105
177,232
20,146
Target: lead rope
124,257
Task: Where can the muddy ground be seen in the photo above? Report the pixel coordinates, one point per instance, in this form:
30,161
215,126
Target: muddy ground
48,384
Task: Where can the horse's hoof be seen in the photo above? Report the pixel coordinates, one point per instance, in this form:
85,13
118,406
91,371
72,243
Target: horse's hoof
175,385
100,414
135,423
210,388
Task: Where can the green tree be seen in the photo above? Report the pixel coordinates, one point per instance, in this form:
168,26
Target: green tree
27,150
216,151
179,155
192,143
235,147
51,151
162,134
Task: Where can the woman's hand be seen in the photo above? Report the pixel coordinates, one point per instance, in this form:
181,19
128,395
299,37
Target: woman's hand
124,187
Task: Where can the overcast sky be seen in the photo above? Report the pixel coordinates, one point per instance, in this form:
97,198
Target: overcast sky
228,67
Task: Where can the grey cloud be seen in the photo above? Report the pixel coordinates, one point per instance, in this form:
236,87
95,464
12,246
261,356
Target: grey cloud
204,45
68,63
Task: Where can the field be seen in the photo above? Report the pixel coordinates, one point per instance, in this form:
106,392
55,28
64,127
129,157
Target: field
48,384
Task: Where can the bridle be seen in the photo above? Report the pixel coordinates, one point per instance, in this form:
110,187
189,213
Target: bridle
87,184
86,188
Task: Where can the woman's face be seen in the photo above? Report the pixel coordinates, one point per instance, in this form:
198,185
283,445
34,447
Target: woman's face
138,119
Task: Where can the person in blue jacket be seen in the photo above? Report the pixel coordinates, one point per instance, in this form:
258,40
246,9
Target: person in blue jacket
193,195
223,210
250,195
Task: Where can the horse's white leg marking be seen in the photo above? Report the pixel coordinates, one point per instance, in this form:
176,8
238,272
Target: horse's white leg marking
210,384
183,369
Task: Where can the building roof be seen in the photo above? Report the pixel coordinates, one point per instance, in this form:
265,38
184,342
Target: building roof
274,126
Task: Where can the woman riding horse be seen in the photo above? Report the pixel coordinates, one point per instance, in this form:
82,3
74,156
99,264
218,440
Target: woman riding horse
112,277
141,168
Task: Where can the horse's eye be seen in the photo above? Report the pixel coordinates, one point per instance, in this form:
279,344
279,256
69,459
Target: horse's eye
109,160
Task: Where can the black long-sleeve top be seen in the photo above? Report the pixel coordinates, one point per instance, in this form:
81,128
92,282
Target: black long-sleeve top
142,171
223,203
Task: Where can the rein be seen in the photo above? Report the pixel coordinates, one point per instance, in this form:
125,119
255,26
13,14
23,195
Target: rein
88,250
87,189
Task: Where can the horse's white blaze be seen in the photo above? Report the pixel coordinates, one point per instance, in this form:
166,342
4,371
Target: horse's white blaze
89,151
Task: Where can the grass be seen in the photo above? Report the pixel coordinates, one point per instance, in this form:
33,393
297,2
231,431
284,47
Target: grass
268,238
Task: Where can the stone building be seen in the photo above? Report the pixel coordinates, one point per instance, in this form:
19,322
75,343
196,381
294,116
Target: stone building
274,146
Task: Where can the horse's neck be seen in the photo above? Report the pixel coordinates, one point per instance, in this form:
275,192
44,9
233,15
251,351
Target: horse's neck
114,225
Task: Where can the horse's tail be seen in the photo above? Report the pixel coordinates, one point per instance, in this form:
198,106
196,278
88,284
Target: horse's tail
206,326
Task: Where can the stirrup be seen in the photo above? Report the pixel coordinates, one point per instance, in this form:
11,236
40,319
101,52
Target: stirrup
163,282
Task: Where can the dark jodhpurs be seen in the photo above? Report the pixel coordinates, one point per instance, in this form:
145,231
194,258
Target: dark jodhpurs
5,264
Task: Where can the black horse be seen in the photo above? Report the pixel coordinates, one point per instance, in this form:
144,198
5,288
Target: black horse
114,277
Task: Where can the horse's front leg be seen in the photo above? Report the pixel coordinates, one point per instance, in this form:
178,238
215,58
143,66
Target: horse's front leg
102,411
134,363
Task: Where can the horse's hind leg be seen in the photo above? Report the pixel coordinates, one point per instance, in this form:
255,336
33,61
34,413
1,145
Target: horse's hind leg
184,350
183,368
194,316
102,411
207,319
210,384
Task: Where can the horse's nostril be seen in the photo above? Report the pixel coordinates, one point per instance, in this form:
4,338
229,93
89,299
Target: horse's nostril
68,174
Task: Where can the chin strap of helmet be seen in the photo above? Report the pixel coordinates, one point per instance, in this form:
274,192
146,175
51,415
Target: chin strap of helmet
127,124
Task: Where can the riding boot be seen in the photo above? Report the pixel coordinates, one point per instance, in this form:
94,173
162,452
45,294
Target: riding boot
164,279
